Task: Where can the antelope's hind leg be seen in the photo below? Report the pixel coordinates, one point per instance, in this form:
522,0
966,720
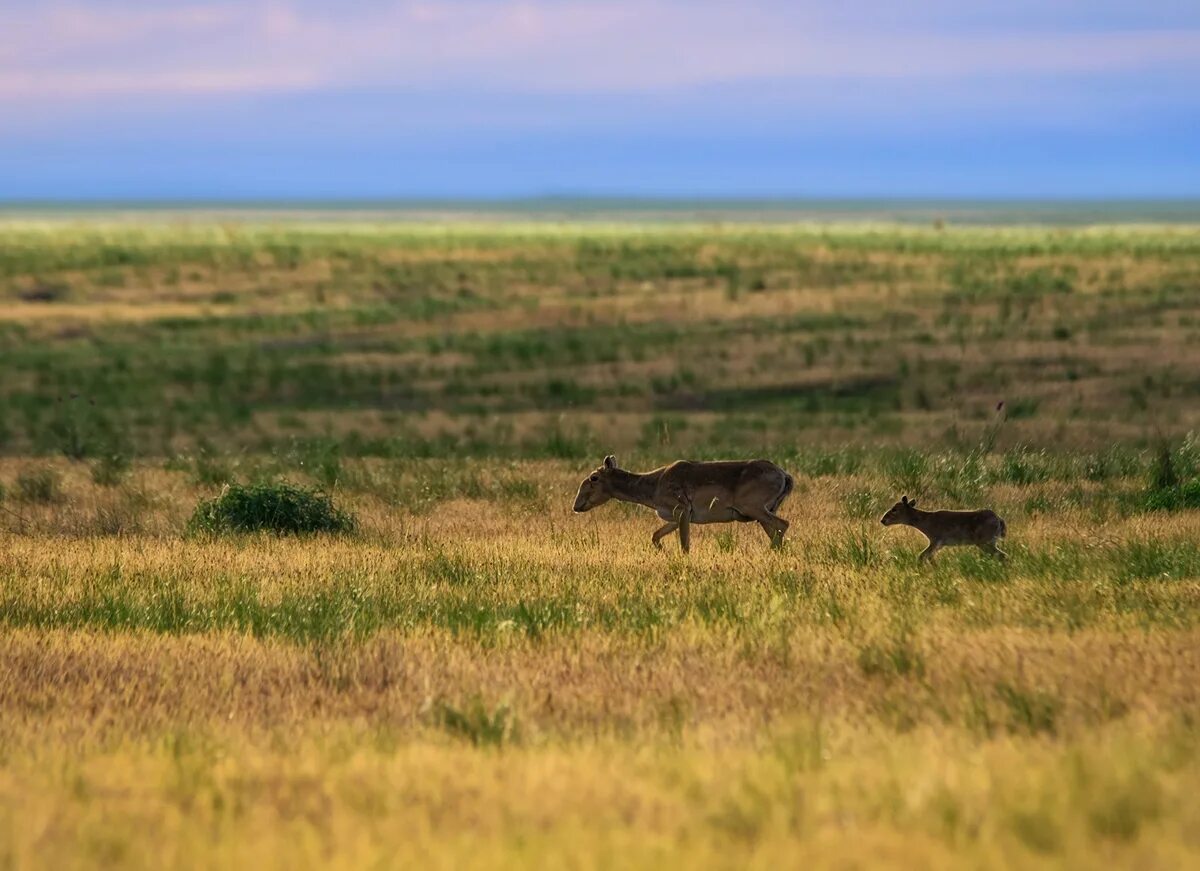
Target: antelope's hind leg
662,532
774,526
775,532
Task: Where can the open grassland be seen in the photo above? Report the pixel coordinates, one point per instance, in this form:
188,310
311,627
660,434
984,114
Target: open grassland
533,341
475,677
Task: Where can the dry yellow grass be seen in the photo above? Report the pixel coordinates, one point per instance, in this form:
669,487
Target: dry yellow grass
826,794
742,707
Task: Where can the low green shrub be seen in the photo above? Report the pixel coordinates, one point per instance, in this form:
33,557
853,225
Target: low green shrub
1173,485
282,508
1174,498
1163,473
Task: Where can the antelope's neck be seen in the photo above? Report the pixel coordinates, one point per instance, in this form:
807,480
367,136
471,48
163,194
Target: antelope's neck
920,521
632,487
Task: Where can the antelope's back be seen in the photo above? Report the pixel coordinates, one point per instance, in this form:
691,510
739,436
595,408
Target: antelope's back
983,523
727,474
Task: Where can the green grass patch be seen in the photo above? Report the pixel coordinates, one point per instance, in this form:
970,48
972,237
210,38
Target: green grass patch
280,508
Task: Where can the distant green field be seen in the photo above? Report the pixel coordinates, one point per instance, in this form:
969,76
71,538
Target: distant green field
470,675
539,340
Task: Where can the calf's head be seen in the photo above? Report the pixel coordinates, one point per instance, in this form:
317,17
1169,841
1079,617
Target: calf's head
902,512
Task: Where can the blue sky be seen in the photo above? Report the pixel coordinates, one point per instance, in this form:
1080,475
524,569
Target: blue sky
219,99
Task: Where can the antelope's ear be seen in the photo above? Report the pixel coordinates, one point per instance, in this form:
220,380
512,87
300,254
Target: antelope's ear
610,462
912,503
903,500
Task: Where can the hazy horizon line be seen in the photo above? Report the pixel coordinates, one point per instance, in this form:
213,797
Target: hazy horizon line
586,198
567,208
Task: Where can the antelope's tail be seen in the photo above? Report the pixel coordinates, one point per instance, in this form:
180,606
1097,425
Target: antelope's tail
788,485
1003,528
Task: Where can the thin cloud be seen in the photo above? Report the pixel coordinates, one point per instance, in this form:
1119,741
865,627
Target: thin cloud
197,82
125,49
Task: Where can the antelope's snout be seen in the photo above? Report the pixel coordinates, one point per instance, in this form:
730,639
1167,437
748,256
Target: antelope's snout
583,500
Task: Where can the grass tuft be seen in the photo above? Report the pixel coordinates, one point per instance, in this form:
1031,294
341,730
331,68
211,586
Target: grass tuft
476,722
41,486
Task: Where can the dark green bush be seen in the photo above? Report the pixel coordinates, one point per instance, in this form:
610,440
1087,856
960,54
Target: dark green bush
282,508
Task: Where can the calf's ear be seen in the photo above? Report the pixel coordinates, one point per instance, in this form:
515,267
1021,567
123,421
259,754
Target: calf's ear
610,462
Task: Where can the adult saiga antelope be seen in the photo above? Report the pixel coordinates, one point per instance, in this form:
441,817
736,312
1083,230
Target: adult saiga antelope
687,492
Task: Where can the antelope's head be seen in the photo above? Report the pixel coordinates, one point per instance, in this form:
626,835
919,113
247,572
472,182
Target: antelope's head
902,512
596,488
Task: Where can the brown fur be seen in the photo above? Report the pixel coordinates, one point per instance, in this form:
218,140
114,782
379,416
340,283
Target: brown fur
688,492
949,528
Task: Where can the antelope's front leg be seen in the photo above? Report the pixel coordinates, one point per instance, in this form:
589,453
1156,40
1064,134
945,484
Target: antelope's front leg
662,532
995,551
927,554
683,515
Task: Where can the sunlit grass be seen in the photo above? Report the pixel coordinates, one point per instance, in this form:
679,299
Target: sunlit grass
447,673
